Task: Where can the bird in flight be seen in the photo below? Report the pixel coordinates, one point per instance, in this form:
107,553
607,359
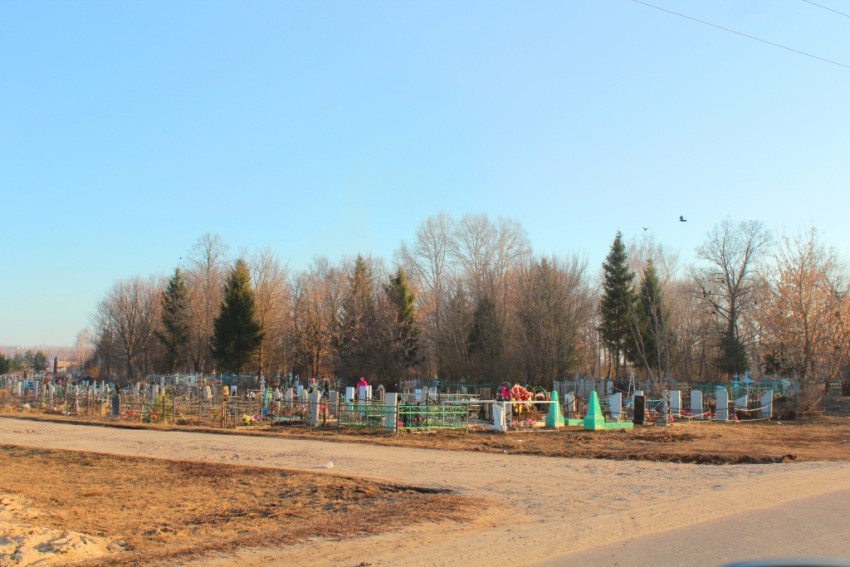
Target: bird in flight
645,228
682,219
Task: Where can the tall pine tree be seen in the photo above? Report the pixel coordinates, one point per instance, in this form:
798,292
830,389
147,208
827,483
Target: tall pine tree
617,304
175,332
652,340
236,335
353,340
406,333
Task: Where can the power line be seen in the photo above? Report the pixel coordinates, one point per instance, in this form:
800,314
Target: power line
826,8
748,36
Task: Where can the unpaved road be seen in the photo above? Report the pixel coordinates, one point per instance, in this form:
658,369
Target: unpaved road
544,510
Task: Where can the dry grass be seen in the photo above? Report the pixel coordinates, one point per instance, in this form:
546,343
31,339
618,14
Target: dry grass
158,510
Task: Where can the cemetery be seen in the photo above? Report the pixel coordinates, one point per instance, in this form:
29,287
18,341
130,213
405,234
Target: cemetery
594,404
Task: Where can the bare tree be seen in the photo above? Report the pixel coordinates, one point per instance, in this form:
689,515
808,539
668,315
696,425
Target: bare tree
128,316
802,319
207,269
731,254
555,303
316,307
271,291
427,263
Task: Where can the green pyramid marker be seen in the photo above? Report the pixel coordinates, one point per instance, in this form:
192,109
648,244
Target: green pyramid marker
554,419
595,421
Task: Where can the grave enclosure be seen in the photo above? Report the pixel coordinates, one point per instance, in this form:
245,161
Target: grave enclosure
208,403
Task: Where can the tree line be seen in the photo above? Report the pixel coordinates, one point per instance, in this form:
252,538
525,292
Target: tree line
468,300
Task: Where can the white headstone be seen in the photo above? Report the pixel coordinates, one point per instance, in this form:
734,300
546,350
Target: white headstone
417,394
314,401
390,411
298,389
615,403
364,393
349,394
696,404
500,410
767,404
207,392
721,411
676,402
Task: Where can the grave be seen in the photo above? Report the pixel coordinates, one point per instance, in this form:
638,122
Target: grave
615,403
721,410
766,404
390,411
595,421
696,404
554,419
675,403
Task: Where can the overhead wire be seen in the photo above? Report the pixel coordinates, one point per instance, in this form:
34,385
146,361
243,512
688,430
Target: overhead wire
826,8
742,34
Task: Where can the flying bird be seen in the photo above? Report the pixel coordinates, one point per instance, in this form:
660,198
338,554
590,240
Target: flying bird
645,228
682,219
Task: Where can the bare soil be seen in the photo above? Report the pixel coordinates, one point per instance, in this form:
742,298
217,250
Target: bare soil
152,509
157,511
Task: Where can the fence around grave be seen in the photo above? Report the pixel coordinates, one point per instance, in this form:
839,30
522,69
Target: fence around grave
206,407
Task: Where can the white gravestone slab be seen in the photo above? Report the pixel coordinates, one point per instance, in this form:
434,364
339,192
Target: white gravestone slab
390,411
721,411
615,404
676,402
696,404
767,404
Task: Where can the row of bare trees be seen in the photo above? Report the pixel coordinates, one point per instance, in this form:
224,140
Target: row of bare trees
467,299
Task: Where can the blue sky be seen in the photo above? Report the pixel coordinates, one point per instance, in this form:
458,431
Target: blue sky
130,129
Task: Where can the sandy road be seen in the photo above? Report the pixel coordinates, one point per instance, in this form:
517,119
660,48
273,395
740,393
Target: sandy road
543,508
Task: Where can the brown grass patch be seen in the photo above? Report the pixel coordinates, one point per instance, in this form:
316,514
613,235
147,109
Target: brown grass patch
158,509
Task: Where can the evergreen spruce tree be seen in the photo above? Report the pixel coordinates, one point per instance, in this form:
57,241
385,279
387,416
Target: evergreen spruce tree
353,343
236,335
175,320
618,303
651,340
406,335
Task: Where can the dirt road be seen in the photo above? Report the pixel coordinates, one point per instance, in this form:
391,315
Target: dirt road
542,507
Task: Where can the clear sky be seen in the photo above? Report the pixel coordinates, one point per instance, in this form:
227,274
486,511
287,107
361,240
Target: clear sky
129,129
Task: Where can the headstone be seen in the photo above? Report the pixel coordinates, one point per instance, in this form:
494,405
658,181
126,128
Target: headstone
766,404
116,405
364,393
207,392
380,392
154,391
162,382
639,410
696,404
298,389
417,394
50,390
391,411
609,387
432,392
314,400
136,390
500,416
615,403
233,390
721,411
676,403
350,393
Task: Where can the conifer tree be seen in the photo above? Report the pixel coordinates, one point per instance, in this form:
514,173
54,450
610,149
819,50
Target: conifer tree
175,332
651,340
617,304
406,335
353,343
236,335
